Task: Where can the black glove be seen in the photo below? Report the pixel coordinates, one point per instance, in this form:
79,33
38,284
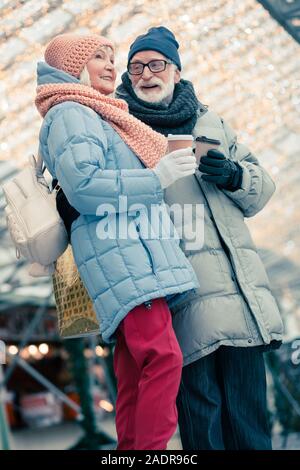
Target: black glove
221,171
67,213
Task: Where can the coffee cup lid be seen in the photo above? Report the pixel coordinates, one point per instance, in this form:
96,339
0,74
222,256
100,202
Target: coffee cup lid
180,137
207,140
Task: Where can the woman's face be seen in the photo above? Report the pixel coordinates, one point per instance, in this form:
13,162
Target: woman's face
102,70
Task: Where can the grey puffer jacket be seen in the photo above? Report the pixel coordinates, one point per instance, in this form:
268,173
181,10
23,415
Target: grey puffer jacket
233,305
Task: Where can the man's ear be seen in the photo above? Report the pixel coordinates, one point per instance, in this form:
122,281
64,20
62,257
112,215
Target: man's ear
177,76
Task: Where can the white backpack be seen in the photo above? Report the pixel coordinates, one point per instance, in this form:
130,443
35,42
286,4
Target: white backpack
33,221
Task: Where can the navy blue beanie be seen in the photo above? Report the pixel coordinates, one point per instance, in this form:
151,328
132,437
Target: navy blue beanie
158,39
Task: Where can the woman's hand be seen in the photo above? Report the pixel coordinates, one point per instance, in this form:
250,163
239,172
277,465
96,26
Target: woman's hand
175,165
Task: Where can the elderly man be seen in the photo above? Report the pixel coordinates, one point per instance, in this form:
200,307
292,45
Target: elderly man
224,327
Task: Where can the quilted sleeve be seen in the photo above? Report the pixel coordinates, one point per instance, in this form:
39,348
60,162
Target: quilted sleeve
77,146
257,185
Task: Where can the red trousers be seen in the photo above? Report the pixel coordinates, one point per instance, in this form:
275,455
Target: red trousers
148,365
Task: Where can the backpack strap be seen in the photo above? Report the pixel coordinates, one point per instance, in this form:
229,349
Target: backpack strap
40,166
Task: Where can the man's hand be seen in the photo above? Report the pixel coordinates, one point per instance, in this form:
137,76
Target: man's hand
221,171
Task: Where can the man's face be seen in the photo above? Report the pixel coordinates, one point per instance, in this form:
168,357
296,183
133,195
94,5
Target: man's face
154,87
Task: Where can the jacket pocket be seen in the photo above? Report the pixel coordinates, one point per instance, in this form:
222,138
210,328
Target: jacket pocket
149,255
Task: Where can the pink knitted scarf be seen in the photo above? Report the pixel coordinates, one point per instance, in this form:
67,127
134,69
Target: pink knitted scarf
148,145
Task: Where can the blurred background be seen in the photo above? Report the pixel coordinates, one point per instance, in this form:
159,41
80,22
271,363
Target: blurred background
244,61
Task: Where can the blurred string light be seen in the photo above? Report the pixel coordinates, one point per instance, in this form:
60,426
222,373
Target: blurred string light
101,352
32,351
235,53
241,61
106,405
13,350
44,348
88,353
25,353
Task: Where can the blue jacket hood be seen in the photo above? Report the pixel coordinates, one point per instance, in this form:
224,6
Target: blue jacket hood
47,74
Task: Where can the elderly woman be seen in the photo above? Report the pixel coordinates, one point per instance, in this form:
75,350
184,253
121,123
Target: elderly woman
106,161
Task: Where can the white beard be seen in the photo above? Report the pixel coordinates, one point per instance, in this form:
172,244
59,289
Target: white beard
164,95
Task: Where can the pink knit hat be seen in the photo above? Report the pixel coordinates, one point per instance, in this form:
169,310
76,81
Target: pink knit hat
71,52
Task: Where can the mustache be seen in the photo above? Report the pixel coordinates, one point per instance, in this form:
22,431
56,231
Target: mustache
153,81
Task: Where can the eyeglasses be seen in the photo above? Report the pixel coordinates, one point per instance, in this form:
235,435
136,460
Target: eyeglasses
155,66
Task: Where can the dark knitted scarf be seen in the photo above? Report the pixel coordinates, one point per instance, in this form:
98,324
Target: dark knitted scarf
179,117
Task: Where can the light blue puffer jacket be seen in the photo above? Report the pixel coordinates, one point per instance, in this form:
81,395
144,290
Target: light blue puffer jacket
94,166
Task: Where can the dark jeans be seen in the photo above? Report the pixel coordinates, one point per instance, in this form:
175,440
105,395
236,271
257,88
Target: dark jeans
222,401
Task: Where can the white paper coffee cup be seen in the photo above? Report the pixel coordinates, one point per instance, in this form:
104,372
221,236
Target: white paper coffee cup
179,141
